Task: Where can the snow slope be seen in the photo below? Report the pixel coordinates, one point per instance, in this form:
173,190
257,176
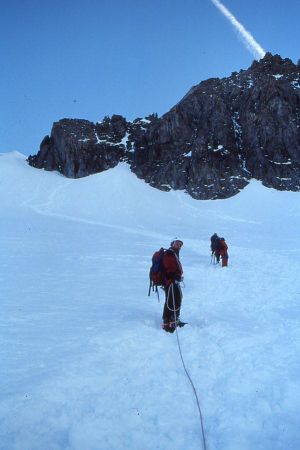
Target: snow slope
85,365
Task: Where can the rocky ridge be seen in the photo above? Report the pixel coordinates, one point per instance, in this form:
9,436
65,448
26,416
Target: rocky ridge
220,135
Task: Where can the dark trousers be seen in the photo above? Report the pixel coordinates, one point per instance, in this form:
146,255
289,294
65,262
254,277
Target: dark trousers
173,290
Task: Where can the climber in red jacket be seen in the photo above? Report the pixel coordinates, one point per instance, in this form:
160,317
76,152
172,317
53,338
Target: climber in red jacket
224,252
173,276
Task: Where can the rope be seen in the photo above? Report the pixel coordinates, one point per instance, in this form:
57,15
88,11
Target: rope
167,302
188,376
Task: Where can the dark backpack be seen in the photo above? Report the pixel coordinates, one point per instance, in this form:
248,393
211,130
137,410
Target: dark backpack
157,271
215,244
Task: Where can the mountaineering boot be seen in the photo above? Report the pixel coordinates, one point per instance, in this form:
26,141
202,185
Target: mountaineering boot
171,327
165,325
168,326
179,323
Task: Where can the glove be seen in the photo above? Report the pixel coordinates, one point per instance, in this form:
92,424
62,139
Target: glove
178,278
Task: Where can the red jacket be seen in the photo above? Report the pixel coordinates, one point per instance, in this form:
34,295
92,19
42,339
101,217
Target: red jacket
172,266
223,248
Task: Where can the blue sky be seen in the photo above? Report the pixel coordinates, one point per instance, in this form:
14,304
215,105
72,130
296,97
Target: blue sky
89,59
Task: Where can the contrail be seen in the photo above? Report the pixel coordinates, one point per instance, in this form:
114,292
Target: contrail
249,40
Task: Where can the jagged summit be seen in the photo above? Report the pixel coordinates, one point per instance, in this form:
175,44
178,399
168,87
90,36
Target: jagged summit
273,63
211,143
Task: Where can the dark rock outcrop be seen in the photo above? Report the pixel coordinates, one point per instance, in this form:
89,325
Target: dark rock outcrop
77,148
220,135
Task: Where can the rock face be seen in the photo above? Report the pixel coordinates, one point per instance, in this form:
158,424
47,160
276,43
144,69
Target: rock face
77,148
220,135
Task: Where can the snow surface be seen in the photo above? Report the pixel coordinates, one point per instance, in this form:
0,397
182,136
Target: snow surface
84,362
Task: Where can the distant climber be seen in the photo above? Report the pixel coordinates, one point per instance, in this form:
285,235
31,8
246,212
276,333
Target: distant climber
224,252
215,247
